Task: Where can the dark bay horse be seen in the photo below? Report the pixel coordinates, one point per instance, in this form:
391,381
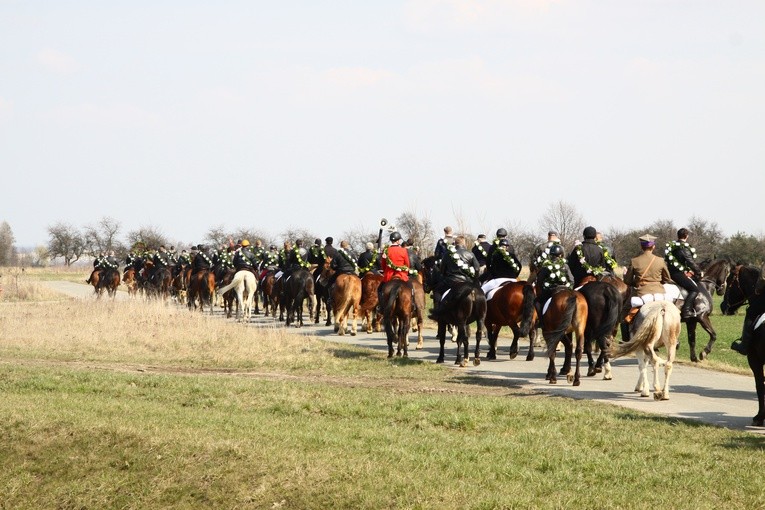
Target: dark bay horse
271,289
201,290
418,310
108,280
369,284
715,276
296,288
565,317
604,312
397,315
512,305
742,287
322,292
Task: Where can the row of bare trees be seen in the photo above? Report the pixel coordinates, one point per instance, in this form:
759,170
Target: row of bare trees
70,243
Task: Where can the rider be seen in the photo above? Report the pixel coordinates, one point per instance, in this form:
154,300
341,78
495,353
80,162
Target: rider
504,262
554,275
608,252
244,259
443,243
685,273
586,259
458,265
542,253
284,256
98,264
481,251
201,261
755,309
415,264
329,250
316,254
395,264
368,261
342,263
501,234
258,251
647,273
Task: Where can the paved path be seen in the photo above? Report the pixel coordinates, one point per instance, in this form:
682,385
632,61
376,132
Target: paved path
718,398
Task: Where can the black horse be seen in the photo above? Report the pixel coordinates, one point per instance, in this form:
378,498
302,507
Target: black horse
715,276
702,307
742,288
604,312
322,293
464,304
296,288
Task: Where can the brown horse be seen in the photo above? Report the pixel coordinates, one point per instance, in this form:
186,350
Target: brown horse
512,304
565,317
346,297
418,310
108,280
271,288
128,278
228,297
397,315
95,276
202,289
369,284
604,312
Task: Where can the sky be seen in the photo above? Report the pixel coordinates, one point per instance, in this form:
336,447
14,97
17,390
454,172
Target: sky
328,115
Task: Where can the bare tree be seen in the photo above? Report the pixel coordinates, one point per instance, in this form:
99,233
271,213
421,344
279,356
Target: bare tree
149,237
419,230
359,237
706,237
293,234
102,237
7,248
565,219
252,234
66,242
218,236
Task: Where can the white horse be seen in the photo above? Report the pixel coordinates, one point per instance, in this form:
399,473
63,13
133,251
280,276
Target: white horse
656,324
244,282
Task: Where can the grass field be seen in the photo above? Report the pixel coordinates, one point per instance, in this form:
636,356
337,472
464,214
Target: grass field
136,405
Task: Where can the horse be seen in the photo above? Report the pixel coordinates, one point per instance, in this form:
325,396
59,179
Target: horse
128,278
565,317
109,280
397,315
180,282
418,310
295,289
511,304
604,312
244,284
656,324
322,292
95,276
463,304
345,298
226,299
715,276
201,288
741,288
271,288
368,306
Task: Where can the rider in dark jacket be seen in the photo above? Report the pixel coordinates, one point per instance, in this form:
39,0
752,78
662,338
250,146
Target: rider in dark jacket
458,265
554,275
587,259
683,270
504,262
244,259
481,251
201,261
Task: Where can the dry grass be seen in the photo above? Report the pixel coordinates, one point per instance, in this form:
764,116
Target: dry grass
17,285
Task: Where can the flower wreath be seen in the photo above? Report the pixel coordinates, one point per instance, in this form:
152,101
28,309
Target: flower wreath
348,257
371,264
669,254
507,258
270,258
391,264
590,269
299,259
463,267
480,249
318,251
610,261
545,255
557,276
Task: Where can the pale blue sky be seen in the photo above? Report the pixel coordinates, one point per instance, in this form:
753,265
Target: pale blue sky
185,115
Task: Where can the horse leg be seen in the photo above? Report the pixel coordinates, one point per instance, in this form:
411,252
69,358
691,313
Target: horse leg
551,376
492,331
578,353
690,327
389,334
568,350
462,345
514,345
758,371
478,335
441,335
663,394
590,361
642,382
353,310
707,326
420,339
532,342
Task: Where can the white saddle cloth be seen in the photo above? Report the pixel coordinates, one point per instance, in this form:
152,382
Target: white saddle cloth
671,293
760,320
278,275
492,286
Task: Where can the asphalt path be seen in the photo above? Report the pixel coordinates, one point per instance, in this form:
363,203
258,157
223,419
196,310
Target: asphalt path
718,398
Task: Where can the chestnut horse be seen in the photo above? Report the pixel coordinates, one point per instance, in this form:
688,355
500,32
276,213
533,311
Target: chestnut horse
368,307
512,304
128,278
201,288
345,297
271,288
564,318
397,315
656,324
109,279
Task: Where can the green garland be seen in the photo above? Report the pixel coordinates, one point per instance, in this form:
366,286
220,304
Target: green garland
318,251
348,257
669,254
545,255
589,269
610,261
270,259
507,258
371,264
390,264
463,267
557,276
299,259
480,248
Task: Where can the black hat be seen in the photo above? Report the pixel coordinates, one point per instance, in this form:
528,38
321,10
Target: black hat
556,250
590,233
395,236
504,242
329,240
317,241
501,232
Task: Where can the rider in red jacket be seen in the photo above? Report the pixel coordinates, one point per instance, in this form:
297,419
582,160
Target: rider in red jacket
395,260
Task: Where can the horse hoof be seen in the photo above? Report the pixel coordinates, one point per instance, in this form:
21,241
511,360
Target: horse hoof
440,360
703,355
591,372
513,355
577,382
491,356
553,381
598,370
570,379
530,357
464,363
658,395
607,377
353,333
758,421
476,362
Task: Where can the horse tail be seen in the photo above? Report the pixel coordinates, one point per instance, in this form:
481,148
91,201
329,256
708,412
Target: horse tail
527,310
648,333
236,280
395,288
612,309
552,337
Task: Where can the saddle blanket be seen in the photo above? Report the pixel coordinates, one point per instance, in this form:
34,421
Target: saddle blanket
492,286
760,320
443,296
278,275
671,293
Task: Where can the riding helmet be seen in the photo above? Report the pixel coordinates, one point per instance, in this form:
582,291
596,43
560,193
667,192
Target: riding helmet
395,236
556,250
590,233
245,242
504,242
501,232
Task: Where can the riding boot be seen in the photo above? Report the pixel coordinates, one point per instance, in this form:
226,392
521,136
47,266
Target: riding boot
741,345
538,307
688,309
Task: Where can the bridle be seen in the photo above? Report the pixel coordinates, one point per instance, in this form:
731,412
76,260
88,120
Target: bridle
736,283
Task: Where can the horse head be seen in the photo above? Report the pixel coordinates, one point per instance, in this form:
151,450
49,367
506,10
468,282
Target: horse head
740,286
430,273
716,274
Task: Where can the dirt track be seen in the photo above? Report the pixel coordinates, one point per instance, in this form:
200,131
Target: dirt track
717,398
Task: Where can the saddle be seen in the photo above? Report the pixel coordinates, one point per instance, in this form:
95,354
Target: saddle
491,287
